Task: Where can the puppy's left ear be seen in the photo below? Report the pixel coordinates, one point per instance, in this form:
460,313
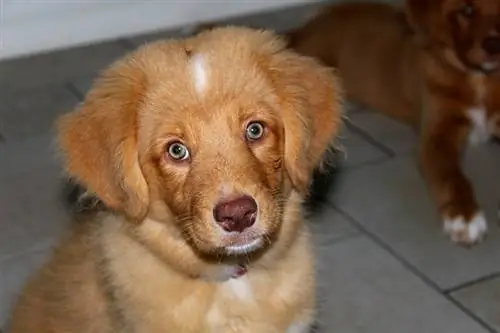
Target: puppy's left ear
311,94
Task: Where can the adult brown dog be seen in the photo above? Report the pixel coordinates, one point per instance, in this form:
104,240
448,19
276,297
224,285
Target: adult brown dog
435,66
204,149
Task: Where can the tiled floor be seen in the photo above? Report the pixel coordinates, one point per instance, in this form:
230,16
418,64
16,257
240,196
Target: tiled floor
384,265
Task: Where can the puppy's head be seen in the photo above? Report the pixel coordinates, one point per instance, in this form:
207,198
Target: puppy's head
470,29
216,132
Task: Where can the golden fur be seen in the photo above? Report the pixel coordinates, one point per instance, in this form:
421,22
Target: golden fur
157,263
434,65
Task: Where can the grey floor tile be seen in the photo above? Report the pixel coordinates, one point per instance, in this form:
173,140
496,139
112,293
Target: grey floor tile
82,85
328,227
363,289
31,209
32,112
399,138
180,32
483,299
14,274
352,107
391,201
280,20
59,66
354,150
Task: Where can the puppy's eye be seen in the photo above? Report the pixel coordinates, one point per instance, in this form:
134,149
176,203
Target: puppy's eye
255,131
468,10
178,151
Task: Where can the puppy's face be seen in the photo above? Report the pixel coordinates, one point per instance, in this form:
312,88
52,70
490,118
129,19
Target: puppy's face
216,156
215,131
469,28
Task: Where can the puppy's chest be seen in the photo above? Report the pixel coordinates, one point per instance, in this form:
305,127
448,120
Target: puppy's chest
235,306
240,305
484,111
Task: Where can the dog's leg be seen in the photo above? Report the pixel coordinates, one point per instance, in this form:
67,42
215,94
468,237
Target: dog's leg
441,151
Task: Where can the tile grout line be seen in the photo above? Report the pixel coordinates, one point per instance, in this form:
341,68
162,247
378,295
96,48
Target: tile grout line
371,140
73,90
374,162
377,240
338,240
472,283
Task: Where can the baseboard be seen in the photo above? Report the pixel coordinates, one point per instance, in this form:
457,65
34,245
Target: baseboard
33,26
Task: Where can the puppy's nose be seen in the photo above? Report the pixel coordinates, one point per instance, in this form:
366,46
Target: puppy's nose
236,215
492,45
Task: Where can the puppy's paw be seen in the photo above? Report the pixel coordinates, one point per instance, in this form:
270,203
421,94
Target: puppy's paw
466,233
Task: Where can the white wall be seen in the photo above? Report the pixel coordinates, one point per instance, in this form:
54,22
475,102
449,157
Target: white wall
31,26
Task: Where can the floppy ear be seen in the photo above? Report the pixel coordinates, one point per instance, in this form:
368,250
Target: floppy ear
99,142
424,17
416,11
311,96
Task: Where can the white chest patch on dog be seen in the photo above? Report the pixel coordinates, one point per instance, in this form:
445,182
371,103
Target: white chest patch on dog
240,288
199,72
480,128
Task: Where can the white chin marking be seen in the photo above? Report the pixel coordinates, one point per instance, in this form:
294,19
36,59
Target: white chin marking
246,248
466,232
199,70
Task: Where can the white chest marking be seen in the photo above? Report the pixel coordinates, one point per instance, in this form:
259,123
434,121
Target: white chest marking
240,288
480,128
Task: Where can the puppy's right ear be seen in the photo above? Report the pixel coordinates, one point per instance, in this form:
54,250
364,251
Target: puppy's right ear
311,107
99,142
425,18
417,11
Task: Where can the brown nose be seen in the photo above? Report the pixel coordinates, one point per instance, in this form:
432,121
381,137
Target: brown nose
492,45
236,215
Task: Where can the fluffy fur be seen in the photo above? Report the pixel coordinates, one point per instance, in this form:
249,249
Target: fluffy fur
432,64
157,261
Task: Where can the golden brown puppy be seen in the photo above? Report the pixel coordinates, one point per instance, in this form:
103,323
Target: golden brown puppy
204,149
435,66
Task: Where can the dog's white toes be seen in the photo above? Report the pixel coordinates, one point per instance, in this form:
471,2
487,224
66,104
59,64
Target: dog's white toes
464,232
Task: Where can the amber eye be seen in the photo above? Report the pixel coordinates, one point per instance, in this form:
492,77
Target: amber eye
177,151
468,10
254,131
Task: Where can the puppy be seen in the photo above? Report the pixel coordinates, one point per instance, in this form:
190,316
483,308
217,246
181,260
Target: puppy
203,150
433,65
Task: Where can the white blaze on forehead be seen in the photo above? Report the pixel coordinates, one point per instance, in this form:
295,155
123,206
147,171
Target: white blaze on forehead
199,73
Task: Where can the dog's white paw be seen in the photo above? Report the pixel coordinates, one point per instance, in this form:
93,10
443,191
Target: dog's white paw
464,232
